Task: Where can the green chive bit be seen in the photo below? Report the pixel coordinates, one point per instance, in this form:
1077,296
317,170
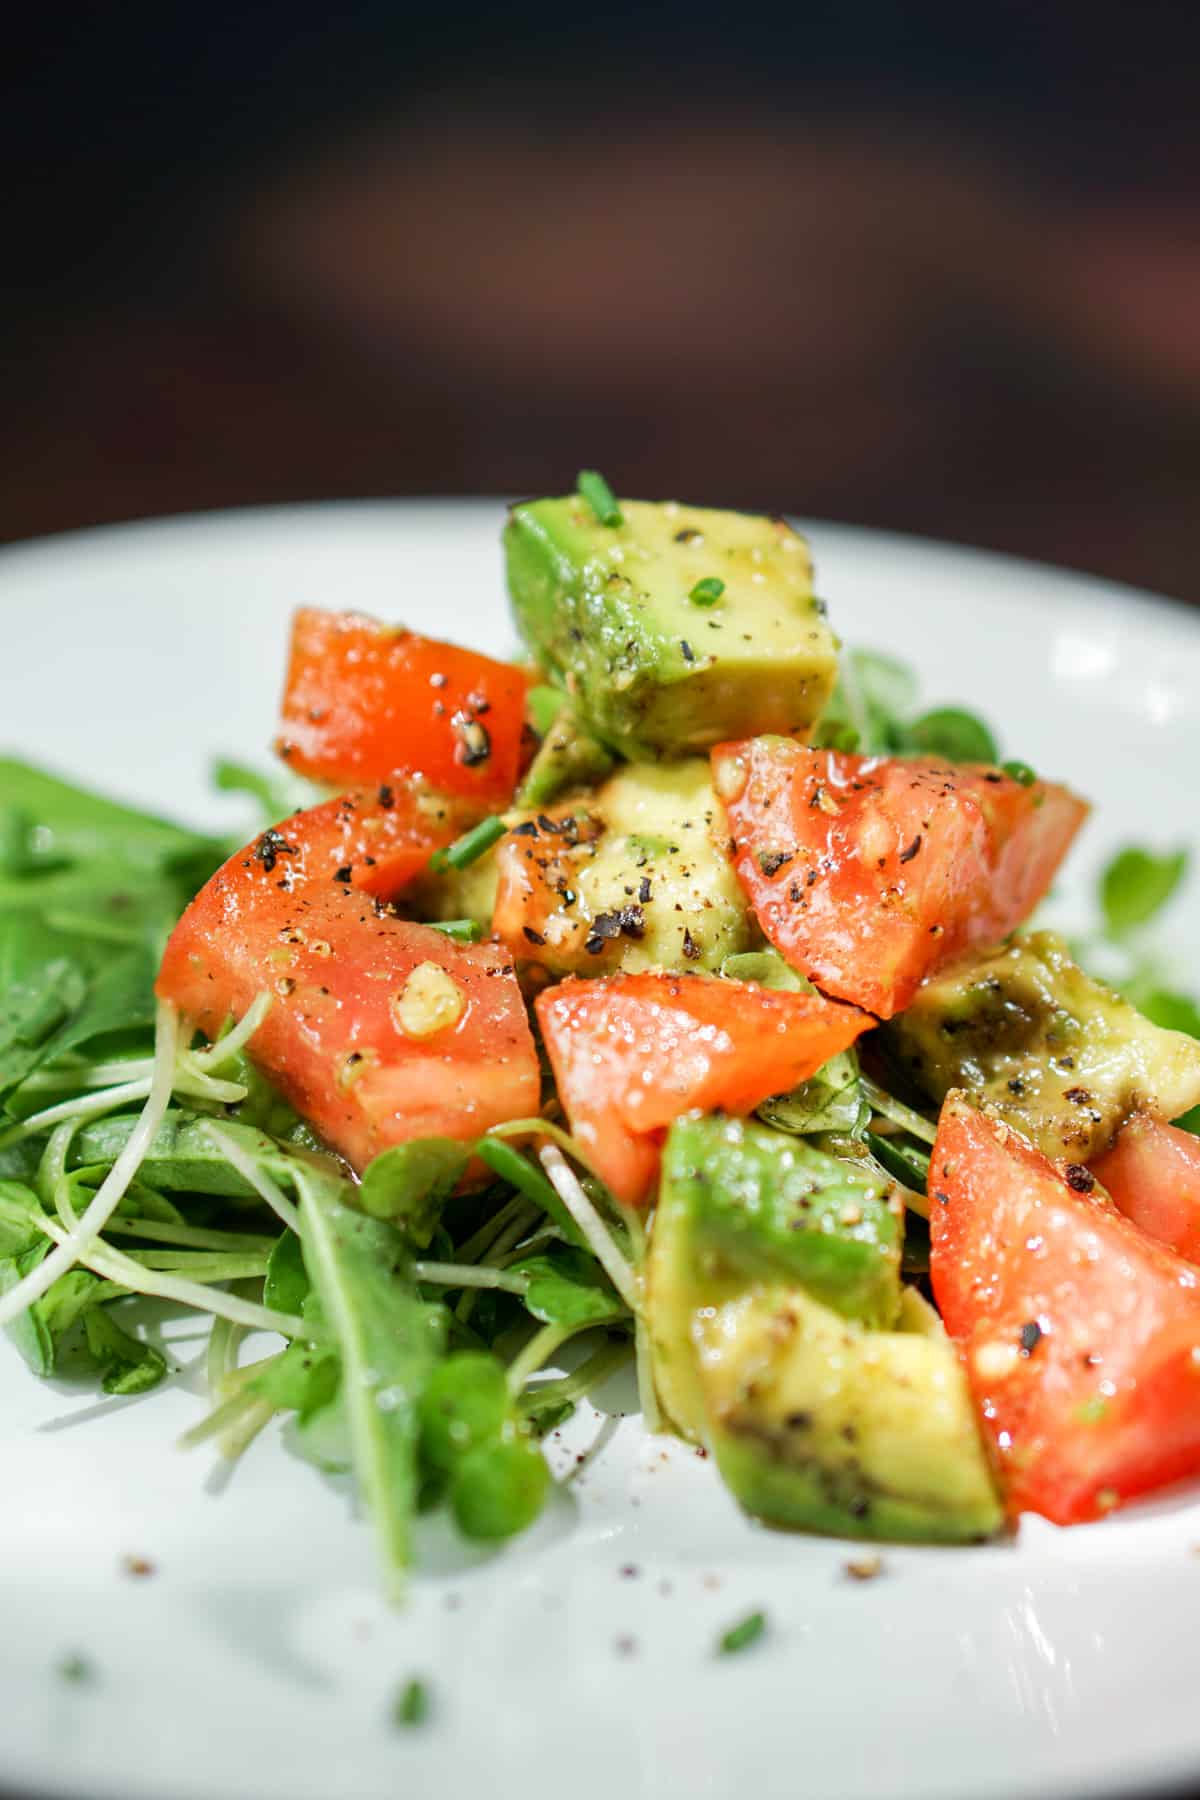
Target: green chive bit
1019,771
742,1635
463,931
74,1667
708,591
412,1704
470,846
593,488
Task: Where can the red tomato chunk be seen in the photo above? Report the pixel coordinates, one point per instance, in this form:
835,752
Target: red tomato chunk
867,873
1081,1335
1153,1174
632,1053
364,700
380,1030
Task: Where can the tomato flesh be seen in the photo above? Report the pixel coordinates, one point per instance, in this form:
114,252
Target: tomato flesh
364,700
353,1038
1152,1172
867,873
1080,1334
631,1053
375,840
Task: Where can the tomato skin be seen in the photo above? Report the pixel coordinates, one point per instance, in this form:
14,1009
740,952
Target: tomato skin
1099,1400
375,839
337,963
633,1052
1152,1172
363,700
867,873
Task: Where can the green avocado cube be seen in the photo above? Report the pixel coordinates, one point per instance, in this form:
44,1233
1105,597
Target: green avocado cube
739,1202
818,1424
675,629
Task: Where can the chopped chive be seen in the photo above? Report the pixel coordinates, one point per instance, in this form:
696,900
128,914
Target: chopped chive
592,487
1019,771
470,846
74,1667
742,1635
412,1704
708,591
463,931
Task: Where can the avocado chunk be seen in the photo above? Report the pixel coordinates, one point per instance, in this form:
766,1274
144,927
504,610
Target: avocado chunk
609,613
739,1202
568,756
819,1424
1048,1049
632,875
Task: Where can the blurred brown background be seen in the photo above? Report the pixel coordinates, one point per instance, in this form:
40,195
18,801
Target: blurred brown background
928,267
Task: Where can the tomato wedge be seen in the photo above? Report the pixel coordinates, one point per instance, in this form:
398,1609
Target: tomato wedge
363,700
631,1053
375,840
1152,1172
867,873
380,1030
1081,1335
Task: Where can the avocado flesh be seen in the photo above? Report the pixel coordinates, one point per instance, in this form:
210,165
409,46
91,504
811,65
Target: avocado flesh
650,855
607,612
738,1202
819,1424
1049,1050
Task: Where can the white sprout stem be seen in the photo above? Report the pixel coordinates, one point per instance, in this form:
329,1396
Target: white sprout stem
83,1108
116,1267
108,1195
99,1075
221,1357
228,1046
259,1180
881,1101
537,1352
468,1275
570,1192
193,1237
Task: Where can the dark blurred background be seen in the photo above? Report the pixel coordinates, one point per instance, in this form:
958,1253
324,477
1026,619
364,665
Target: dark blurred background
917,266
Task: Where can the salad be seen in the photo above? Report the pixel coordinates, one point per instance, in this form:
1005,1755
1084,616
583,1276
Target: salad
670,999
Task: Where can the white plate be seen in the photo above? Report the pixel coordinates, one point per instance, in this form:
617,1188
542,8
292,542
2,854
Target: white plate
258,1662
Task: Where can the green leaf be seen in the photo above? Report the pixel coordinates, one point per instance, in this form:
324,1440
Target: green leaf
38,1332
28,1331
127,1365
410,1183
568,1287
287,1286
303,1380
182,1158
62,823
903,1161
388,1339
1170,1009
768,969
19,1207
278,794
951,732
1136,884
543,704
830,1100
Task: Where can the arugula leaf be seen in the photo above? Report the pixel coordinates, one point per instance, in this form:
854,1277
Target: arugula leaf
389,1341
951,732
286,1286
568,1287
182,1158
1136,884
127,1365
410,1183
49,822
